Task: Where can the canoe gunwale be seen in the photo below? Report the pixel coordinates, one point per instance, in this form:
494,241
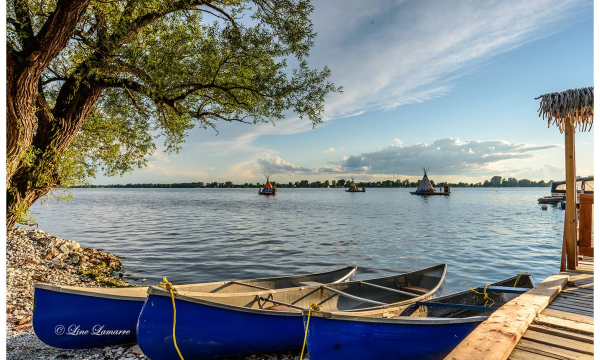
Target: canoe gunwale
153,290
93,292
405,320
106,293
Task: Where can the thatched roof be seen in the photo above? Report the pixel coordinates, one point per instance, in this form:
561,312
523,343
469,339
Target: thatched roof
575,106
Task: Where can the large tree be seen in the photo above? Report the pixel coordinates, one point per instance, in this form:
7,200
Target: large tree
92,83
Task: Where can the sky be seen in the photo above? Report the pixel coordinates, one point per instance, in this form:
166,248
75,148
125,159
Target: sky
450,85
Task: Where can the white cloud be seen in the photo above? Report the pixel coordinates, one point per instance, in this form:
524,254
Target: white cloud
280,166
398,142
450,157
330,150
445,156
393,53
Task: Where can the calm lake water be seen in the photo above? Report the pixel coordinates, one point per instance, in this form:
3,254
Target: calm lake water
194,235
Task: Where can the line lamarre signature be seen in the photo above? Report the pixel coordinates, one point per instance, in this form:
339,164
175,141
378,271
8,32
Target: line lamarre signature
97,330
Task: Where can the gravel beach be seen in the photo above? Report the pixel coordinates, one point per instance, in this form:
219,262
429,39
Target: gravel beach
36,256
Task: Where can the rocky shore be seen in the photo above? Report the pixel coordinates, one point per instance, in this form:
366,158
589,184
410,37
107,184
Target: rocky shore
36,256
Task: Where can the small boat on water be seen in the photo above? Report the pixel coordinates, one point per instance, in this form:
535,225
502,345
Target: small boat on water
426,189
558,191
425,330
82,318
212,326
268,189
353,188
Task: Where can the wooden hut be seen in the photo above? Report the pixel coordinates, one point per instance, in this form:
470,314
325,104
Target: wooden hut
569,110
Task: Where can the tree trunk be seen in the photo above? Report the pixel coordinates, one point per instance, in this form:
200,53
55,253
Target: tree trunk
37,173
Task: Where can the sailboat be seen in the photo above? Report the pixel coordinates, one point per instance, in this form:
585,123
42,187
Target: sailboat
268,189
425,187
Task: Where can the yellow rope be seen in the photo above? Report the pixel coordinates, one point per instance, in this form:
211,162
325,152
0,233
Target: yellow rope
517,281
311,305
485,295
165,284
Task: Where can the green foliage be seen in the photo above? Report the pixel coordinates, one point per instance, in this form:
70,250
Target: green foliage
156,69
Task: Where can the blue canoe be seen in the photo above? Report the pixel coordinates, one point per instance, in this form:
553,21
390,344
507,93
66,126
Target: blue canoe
426,330
83,318
213,326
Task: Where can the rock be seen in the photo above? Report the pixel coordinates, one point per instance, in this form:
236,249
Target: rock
64,248
144,280
56,264
34,256
52,253
135,350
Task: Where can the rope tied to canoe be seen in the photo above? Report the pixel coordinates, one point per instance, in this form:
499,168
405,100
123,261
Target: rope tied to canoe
485,293
165,284
311,306
517,281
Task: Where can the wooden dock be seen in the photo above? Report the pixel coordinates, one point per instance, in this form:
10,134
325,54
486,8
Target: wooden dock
554,320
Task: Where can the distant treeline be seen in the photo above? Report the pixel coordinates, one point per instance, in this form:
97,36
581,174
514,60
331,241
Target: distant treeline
496,181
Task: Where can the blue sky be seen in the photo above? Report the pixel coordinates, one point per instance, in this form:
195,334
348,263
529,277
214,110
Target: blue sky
446,84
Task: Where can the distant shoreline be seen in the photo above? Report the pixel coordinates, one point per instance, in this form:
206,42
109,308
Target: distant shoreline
254,186
494,182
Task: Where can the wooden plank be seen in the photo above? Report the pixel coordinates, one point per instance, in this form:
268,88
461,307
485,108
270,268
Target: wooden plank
570,316
567,324
496,337
581,296
558,352
580,302
552,340
570,292
583,338
570,310
586,303
582,277
519,354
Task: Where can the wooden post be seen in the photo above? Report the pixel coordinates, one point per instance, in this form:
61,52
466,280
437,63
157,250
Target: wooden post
586,202
571,201
563,255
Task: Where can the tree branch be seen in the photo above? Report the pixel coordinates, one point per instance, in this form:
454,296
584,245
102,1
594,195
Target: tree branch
57,30
23,22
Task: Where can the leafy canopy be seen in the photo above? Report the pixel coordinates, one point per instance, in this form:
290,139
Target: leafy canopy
167,66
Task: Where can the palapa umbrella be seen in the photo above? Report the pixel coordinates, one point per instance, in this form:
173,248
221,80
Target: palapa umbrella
569,110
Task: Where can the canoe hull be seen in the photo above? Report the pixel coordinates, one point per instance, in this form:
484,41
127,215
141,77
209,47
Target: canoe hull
60,308
331,339
208,332
71,321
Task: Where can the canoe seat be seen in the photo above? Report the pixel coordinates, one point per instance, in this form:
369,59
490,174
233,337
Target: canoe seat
309,283
281,308
415,289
